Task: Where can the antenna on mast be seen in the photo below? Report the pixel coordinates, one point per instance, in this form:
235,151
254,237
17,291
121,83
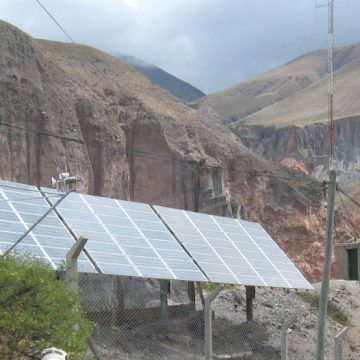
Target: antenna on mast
331,84
324,291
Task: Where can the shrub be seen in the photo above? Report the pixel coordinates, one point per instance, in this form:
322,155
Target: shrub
334,311
38,311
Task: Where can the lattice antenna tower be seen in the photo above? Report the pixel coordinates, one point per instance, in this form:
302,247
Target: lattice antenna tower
331,84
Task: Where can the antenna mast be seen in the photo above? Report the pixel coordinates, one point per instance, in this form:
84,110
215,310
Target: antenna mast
331,84
324,291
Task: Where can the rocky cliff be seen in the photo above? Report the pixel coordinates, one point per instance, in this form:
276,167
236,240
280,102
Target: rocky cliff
282,115
71,107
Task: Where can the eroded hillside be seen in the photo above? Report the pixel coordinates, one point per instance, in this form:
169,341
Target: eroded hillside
282,115
72,107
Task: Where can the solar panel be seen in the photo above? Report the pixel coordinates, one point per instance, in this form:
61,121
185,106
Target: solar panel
20,207
233,251
127,238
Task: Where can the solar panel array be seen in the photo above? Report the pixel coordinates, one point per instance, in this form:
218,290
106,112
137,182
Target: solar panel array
134,239
20,207
127,238
233,251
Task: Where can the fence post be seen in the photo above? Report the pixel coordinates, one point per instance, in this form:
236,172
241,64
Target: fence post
338,342
71,261
284,336
208,321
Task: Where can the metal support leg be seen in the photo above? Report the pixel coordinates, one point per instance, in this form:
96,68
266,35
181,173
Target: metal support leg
208,321
338,341
164,289
71,261
191,294
250,295
284,338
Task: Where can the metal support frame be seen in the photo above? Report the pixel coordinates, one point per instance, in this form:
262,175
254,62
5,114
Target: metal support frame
71,261
33,225
164,290
250,296
284,336
208,321
191,293
338,342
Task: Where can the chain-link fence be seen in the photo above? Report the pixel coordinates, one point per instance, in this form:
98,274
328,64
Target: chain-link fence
150,319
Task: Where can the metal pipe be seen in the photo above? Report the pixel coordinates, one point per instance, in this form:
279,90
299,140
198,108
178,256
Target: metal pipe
208,321
338,342
284,336
33,226
71,261
324,293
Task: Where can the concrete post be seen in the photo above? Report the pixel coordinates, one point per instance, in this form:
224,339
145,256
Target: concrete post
208,321
71,261
338,342
284,336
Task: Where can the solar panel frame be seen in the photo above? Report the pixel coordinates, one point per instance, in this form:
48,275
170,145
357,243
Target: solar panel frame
27,205
231,250
133,232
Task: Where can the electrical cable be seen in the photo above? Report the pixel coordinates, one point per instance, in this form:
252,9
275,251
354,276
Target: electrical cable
164,158
348,196
72,40
355,229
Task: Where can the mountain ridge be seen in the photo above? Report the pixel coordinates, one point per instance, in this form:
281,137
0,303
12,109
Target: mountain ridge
177,87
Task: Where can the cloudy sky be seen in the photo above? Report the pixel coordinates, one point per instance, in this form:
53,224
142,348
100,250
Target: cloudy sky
210,43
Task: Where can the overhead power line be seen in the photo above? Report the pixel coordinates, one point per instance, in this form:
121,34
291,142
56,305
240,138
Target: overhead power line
72,40
55,21
162,158
342,191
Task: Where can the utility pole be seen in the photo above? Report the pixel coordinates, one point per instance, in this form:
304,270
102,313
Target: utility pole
324,293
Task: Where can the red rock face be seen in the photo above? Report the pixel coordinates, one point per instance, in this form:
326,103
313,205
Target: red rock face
129,139
294,164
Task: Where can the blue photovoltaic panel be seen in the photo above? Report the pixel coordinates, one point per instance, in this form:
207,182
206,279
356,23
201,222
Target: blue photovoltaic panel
20,207
233,251
127,238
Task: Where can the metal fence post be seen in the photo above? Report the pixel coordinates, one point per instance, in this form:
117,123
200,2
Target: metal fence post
284,336
338,342
208,321
71,261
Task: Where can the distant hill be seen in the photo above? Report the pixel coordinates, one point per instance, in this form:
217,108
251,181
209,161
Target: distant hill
294,93
175,86
283,113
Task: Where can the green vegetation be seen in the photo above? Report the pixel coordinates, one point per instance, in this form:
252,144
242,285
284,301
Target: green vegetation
209,286
334,310
38,311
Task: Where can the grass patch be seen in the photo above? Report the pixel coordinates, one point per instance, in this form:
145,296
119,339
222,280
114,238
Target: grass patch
334,311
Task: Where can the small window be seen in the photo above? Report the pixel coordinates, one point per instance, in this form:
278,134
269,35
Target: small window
353,264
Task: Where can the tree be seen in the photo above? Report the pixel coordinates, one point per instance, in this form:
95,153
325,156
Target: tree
38,311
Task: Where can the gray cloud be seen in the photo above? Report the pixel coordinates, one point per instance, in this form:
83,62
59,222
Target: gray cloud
209,43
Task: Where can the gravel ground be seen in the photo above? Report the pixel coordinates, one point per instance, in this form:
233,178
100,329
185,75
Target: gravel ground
272,307
234,337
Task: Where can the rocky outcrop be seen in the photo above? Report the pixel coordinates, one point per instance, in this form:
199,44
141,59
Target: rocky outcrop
308,146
